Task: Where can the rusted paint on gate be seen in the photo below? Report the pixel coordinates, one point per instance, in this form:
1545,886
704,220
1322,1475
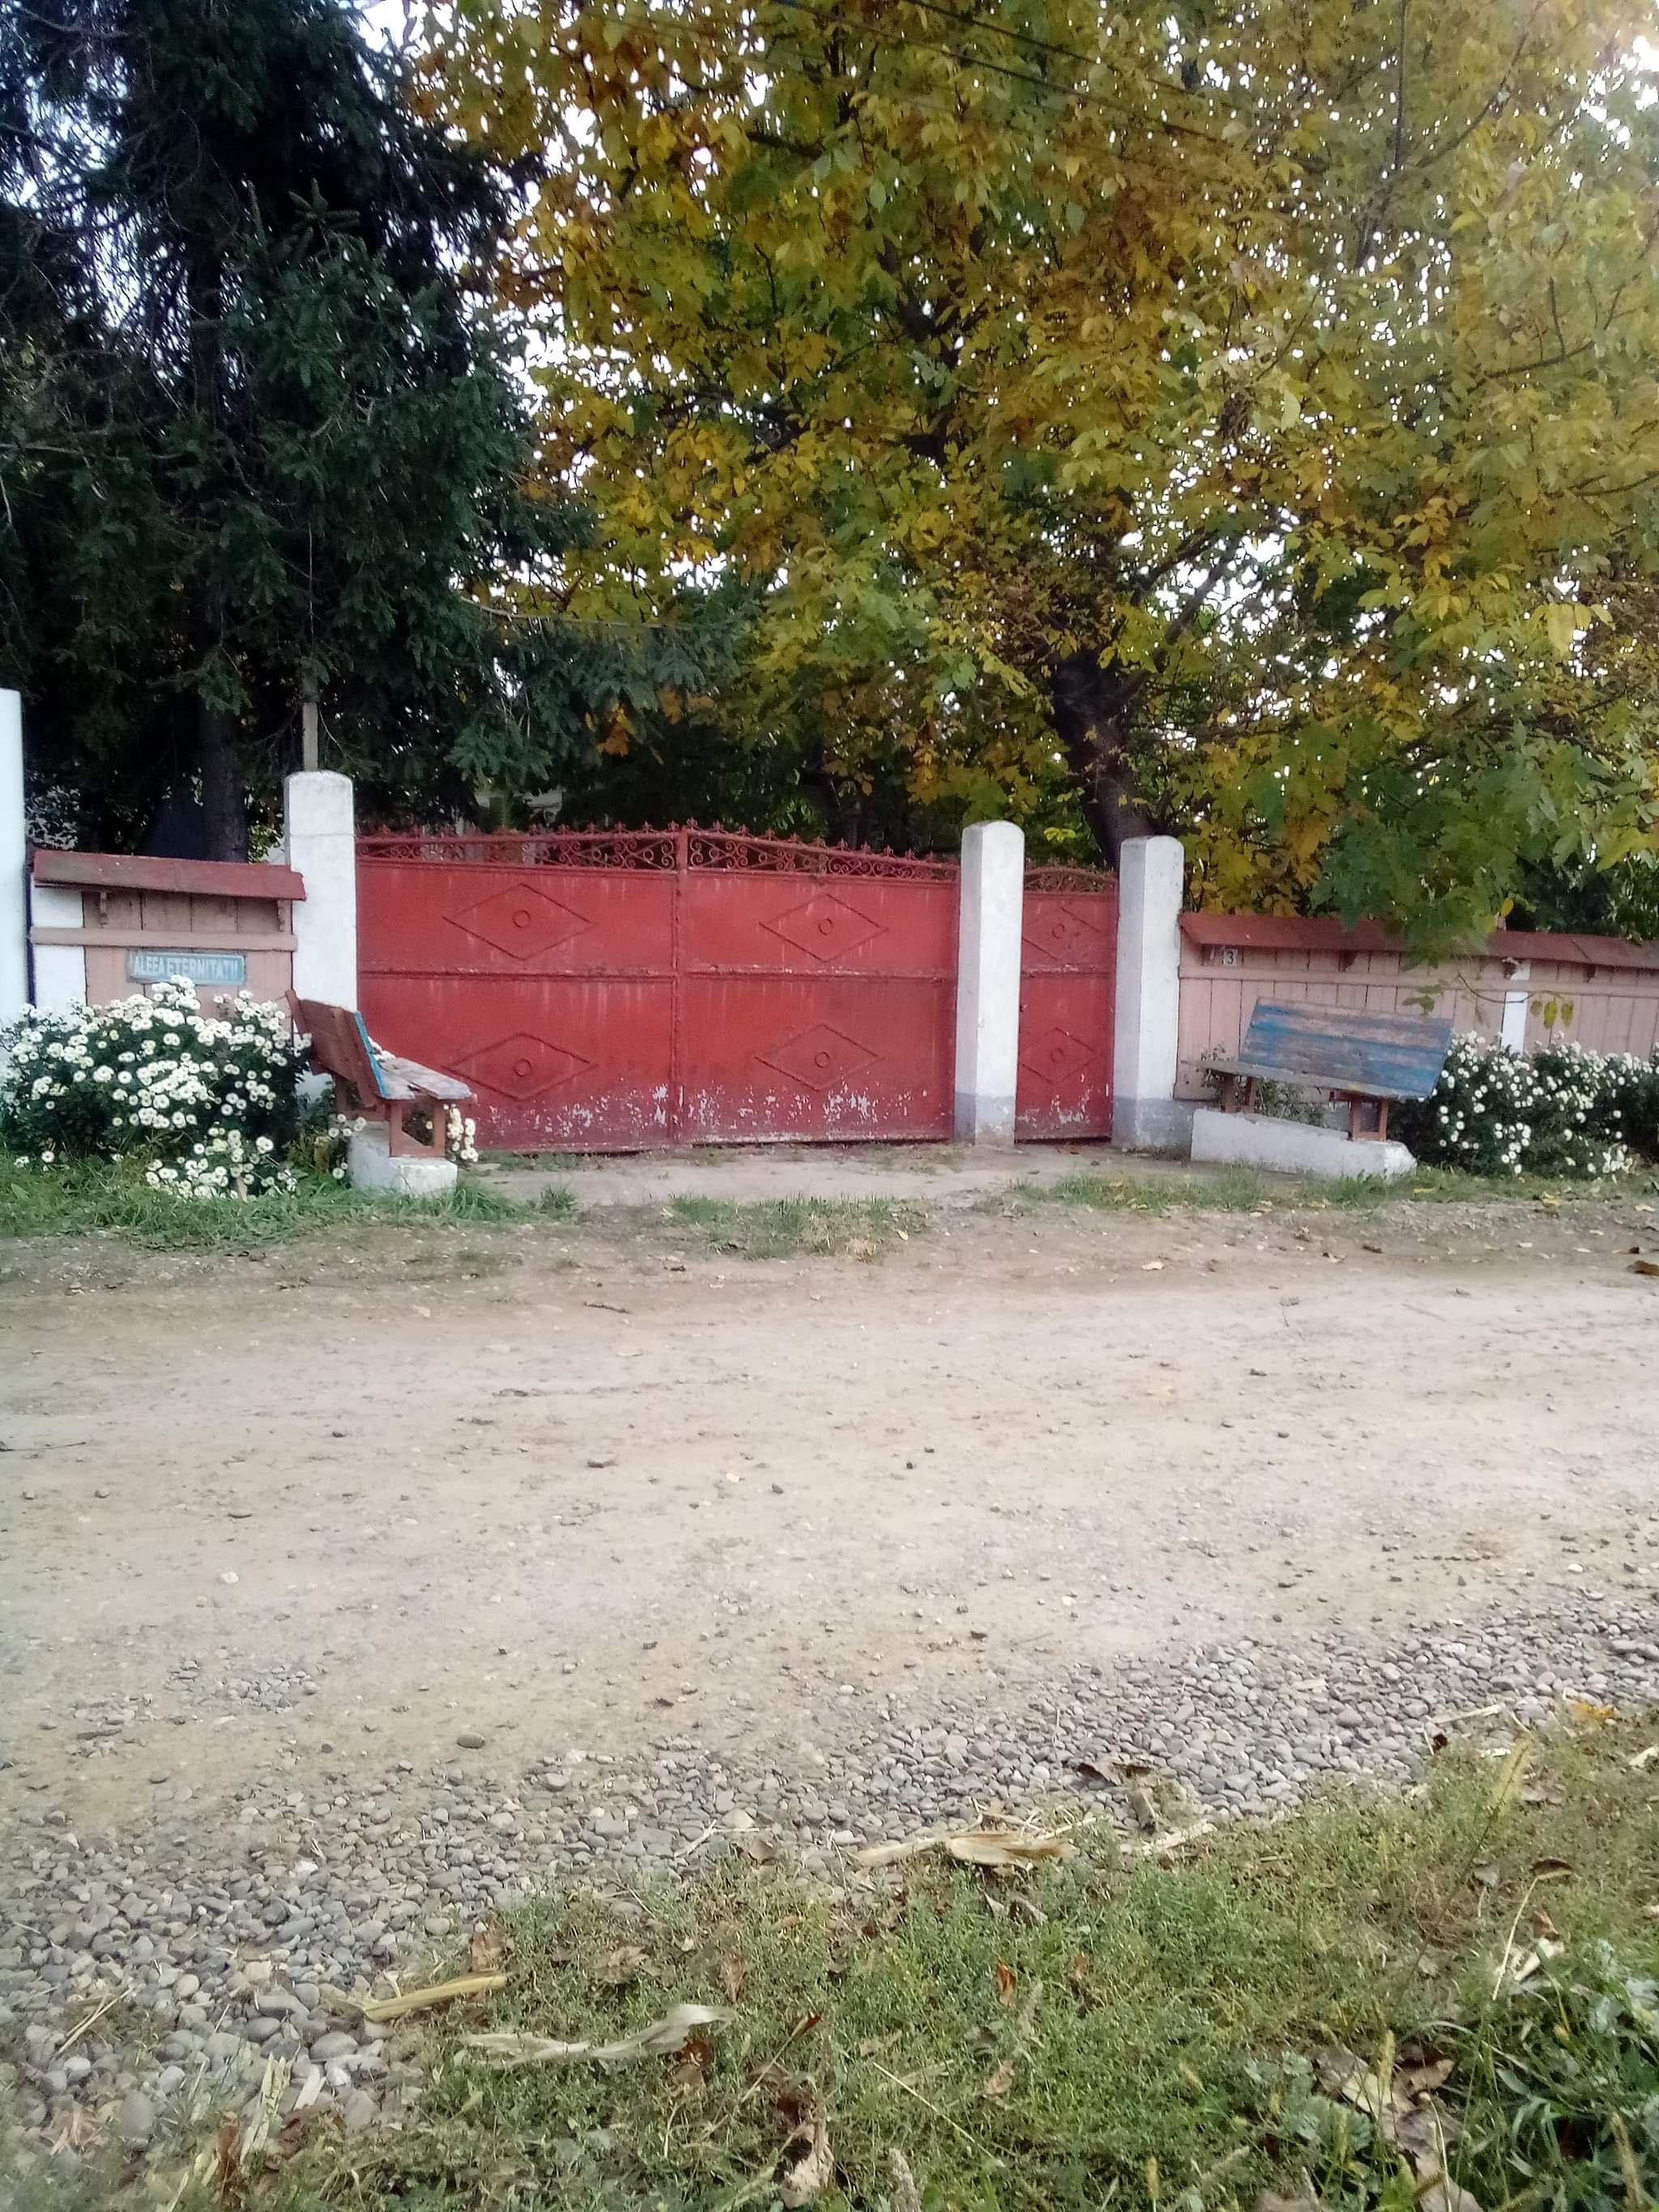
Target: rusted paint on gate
613,992
1068,971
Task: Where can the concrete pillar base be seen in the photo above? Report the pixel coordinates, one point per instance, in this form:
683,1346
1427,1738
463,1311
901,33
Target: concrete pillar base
371,1166
1152,1125
1255,1140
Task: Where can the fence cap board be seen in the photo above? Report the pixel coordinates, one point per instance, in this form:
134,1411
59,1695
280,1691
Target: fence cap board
1298,933
140,871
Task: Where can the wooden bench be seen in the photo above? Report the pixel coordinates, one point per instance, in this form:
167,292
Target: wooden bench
379,1085
1365,1059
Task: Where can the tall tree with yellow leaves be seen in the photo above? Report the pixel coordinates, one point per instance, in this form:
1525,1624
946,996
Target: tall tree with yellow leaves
1242,407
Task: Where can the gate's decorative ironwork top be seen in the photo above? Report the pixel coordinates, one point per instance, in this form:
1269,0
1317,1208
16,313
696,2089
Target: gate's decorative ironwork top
529,849
1070,879
662,849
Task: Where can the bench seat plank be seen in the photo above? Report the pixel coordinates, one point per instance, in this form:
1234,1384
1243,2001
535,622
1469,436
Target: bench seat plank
407,1078
1263,1071
1351,1051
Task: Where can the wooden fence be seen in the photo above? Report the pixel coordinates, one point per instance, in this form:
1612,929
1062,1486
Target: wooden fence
1527,987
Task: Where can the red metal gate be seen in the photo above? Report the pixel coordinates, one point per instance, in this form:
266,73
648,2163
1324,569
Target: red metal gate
1068,969
609,992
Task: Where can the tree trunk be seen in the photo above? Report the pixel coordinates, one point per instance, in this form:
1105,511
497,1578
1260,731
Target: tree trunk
1093,714
224,801
224,805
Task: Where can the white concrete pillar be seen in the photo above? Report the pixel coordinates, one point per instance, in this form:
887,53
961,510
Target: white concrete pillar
320,841
14,857
988,981
1517,1000
1149,872
60,970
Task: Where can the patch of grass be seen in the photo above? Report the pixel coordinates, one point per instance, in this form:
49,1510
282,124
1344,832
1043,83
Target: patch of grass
1225,1190
1106,2032
558,1203
1455,1185
1248,1190
85,1196
779,1229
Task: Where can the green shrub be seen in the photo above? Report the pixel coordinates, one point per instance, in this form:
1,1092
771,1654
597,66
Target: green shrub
208,1101
1565,1111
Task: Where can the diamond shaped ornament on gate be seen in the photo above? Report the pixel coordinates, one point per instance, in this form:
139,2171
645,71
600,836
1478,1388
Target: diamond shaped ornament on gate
521,921
820,1058
522,1067
1056,1054
825,927
1062,934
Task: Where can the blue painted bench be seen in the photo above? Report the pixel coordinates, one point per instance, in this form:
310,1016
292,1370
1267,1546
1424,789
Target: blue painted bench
1364,1060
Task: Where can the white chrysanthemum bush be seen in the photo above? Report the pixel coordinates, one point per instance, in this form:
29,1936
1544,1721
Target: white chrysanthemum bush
1564,1111
207,1100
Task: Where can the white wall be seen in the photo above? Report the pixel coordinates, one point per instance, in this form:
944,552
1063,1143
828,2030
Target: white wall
60,970
13,898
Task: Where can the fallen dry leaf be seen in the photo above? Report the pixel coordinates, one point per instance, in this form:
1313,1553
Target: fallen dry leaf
690,2069
1176,1839
1510,1774
76,2131
1644,1266
999,1847
625,1964
1144,1806
1008,1984
1586,1712
1525,1967
1001,2081
1420,2081
986,1847
487,1949
1445,2196
435,1993
661,2038
733,1974
814,2164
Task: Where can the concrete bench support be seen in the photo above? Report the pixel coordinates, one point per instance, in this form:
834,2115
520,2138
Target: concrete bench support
1257,1140
371,1164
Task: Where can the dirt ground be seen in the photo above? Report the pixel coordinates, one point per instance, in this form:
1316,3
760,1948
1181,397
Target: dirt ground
571,1486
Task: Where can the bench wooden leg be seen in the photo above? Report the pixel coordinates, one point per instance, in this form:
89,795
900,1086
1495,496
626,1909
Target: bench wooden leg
403,1144
1358,1108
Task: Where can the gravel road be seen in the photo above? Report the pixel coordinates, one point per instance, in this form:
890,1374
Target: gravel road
354,1591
